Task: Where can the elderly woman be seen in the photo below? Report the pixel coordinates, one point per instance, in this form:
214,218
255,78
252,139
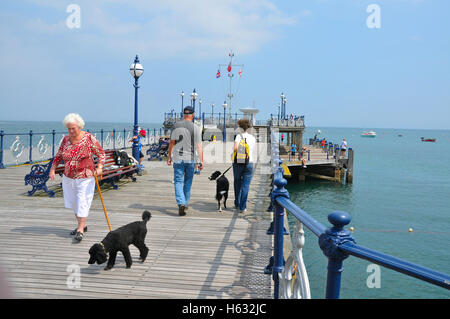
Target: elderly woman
78,181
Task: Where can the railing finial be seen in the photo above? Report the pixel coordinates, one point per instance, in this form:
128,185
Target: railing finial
329,242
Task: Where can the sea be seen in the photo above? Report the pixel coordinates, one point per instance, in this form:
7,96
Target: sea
400,184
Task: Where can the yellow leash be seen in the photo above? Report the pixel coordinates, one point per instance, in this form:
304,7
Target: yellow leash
101,198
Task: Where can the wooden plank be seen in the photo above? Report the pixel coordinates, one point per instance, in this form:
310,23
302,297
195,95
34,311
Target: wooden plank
201,255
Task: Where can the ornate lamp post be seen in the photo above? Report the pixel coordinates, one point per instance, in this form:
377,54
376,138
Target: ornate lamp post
182,103
283,111
224,121
212,110
136,70
194,96
200,108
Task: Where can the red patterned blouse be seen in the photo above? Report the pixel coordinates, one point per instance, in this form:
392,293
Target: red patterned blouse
78,161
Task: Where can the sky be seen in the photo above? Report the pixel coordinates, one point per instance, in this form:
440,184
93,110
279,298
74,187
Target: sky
340,63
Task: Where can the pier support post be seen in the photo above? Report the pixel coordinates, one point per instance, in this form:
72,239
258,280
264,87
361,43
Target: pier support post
329,242
350,166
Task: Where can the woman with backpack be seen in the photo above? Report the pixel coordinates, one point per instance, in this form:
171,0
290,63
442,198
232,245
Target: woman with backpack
243,164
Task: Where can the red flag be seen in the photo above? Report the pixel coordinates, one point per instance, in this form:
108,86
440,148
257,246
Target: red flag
229,67
218,74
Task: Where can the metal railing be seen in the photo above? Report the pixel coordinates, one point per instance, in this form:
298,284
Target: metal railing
336,243
27,148
294,121
231,119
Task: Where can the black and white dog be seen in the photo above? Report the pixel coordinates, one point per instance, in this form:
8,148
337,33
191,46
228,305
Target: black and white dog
119,240
222,186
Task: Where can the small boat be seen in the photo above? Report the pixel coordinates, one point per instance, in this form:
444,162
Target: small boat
369,134
428,139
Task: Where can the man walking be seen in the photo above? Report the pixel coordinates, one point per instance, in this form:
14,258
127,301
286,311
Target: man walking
185,140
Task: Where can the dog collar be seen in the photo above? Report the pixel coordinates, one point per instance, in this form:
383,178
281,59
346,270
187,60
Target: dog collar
104,249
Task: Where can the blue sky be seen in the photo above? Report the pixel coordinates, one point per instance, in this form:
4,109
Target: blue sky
332,68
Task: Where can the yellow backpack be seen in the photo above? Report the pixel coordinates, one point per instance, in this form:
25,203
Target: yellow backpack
241,156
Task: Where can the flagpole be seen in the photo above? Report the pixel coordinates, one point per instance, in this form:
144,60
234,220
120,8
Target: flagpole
230,75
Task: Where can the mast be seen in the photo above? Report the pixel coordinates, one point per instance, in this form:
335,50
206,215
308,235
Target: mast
230,75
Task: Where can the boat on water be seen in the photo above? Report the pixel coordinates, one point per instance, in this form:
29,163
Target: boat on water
428,139
369,134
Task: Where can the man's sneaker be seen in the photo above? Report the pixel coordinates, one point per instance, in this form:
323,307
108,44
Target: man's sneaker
181,210
243,211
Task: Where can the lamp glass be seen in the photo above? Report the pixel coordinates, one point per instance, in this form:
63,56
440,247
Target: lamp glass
136,70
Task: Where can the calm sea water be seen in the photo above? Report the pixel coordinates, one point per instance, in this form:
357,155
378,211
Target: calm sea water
399,183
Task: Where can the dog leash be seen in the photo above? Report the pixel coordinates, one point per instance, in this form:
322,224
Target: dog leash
101,198
227,170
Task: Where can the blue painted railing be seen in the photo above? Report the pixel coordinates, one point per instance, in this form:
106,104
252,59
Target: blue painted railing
39,151
336,242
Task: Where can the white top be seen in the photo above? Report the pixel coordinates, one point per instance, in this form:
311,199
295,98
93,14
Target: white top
251,141
344,145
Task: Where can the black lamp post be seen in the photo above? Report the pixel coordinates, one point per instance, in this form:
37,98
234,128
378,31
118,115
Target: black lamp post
136,70
224,121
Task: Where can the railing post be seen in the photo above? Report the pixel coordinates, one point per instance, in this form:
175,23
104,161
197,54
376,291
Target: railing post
1,149
53,143
101,137
124,137
278,262
114,138
329,242
31,146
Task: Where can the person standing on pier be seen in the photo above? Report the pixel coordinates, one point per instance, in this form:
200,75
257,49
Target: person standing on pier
185,140
243,171
343,147
78,183
293,149
141,135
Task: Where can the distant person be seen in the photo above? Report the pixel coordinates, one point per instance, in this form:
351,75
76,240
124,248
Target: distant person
185,140
282,138
243,168
302,155
323,143
78,183
293,149
141,134
343,147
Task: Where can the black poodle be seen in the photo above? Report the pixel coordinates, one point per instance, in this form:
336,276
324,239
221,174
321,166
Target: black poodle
119,240
222,186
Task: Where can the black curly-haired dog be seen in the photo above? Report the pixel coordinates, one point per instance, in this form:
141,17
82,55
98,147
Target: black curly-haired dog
119,240
222,187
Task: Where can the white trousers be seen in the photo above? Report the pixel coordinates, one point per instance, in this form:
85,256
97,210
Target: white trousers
78,194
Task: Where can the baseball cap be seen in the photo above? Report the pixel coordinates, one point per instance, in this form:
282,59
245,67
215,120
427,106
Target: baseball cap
188,110
142,132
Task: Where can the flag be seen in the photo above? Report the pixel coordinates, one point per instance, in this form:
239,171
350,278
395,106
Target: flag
218,74
229,67
240,72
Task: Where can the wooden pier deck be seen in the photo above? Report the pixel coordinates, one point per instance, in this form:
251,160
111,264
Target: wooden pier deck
205,254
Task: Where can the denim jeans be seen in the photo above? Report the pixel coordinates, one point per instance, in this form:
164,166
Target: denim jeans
182,178
242,177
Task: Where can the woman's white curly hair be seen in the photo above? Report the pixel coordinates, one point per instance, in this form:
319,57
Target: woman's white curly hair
74,118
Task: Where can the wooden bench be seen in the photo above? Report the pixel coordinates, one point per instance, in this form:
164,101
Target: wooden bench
112,173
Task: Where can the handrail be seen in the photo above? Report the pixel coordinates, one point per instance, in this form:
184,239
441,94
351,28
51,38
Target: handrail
336,242
47,144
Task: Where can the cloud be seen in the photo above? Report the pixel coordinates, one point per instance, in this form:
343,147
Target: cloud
159,29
